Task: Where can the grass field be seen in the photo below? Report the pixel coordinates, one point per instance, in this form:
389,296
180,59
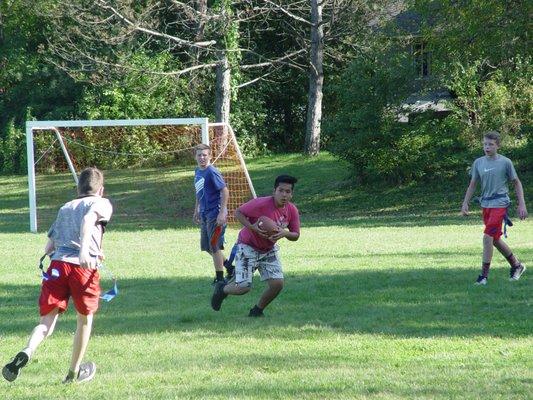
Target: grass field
379,301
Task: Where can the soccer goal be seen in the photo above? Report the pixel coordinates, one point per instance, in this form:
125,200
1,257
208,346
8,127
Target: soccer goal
148,166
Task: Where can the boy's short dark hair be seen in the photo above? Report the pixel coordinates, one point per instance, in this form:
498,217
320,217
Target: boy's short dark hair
285,179
202,146
90,181
493,135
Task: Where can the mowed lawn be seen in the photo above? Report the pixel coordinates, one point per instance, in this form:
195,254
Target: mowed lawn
379,301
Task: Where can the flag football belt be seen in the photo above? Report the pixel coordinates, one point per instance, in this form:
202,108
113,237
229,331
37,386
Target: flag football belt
54,274
506,220
233,253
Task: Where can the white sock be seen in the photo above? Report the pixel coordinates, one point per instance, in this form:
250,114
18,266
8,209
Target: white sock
28,351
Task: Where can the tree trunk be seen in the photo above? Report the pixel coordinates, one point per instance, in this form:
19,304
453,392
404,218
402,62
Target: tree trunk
201,7
316,81
223,88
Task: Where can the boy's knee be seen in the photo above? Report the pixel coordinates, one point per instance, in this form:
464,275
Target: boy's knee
48,323
245,290
276,284
47,330
243,287
85,319
489,238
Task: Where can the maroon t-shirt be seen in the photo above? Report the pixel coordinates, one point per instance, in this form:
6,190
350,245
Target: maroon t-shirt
286,217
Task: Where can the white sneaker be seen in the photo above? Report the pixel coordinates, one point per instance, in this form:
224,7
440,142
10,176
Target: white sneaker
516,272
86,373
481,280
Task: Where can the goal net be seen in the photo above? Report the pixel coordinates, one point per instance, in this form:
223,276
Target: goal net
148,167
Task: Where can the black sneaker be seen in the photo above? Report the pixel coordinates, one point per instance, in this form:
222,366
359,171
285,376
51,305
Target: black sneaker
256,312
86,373
218,295
216,280
516,272
11,371
481,280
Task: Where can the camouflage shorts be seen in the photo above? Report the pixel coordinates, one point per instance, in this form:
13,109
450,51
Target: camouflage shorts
247,260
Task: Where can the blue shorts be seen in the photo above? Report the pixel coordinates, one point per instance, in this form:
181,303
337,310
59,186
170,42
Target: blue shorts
211,236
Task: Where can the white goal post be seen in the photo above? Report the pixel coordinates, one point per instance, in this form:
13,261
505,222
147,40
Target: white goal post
33,126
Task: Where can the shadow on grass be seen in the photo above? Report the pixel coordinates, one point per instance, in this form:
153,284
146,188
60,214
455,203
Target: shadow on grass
325,195
147,199
19,222
422,302
390,220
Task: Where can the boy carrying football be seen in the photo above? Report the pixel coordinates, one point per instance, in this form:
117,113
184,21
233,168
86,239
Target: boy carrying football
494,171
257,248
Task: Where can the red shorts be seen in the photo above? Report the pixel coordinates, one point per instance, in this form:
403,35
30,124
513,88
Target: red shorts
493,220
67,280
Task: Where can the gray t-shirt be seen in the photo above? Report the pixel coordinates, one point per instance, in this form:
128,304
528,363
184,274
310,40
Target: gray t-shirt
66,229
494,174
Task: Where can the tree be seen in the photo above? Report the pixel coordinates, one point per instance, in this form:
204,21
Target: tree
481,52
331,29
28,85
316,80
94,39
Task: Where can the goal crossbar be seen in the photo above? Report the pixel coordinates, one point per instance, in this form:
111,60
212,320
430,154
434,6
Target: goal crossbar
31,126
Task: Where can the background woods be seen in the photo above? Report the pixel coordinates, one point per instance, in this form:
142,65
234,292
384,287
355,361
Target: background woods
354,77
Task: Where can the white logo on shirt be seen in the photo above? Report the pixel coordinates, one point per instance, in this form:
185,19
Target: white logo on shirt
199,185
487,170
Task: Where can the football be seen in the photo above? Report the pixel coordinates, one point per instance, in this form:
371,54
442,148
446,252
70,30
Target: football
267,225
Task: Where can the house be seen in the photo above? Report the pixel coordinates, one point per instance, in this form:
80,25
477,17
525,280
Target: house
405,25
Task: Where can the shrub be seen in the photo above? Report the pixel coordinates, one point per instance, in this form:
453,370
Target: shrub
12,149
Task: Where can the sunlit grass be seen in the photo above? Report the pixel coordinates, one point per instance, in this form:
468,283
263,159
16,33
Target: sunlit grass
379,303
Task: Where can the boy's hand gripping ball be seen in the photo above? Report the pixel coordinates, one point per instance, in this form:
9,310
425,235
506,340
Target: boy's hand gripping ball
267,225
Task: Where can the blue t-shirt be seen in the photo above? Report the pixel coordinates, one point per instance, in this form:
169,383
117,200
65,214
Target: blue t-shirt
208,183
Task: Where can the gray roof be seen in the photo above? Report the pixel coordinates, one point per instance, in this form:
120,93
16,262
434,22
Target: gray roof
437,101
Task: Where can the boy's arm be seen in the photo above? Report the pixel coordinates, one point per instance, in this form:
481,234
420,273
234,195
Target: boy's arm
50,247
468,195
522,210
196,216
223,213
292,233
285,233
243,219
88,222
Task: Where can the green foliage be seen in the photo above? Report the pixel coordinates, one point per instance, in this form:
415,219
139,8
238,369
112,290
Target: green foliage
285,112
490,30
12,149
498,99
365,130
248,119
479,50
479,53
29,86
270,116
141,92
